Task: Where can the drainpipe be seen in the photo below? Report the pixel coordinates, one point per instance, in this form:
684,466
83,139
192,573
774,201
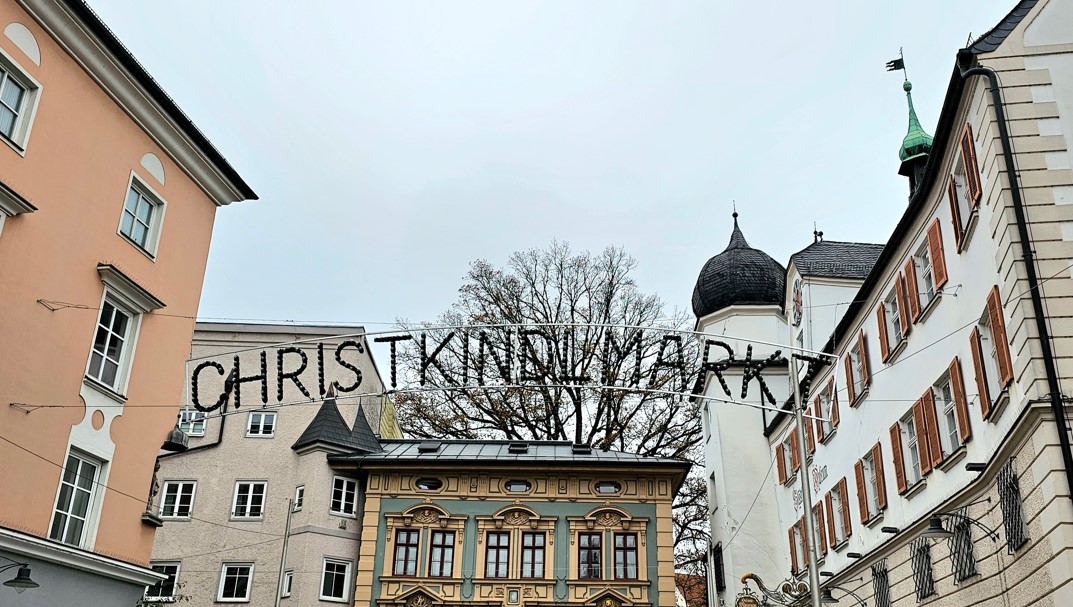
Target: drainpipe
965,58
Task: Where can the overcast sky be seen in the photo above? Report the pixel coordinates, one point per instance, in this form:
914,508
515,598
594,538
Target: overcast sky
392,143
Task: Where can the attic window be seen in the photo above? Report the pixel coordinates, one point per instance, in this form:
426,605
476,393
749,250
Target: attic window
608,487
430,446
581,449
518,486
518,448
429,484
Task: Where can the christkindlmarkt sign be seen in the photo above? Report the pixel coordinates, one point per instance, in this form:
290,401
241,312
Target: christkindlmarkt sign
488,357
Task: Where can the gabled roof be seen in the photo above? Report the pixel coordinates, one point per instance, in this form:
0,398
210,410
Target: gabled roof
834,259
328,428
363,434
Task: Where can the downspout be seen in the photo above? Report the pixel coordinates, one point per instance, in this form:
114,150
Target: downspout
965,57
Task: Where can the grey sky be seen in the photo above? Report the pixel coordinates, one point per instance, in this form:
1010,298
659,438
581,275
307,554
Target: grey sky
392,143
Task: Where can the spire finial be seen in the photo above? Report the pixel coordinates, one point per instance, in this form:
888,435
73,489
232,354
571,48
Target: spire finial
917,142
734,204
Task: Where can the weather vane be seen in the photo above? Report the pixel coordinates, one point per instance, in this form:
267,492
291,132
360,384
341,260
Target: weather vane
898,64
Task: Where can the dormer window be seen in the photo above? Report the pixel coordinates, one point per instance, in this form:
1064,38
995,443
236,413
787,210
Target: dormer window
429,484
607,487
518,486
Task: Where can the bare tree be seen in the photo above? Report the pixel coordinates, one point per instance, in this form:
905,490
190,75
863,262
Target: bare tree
595,361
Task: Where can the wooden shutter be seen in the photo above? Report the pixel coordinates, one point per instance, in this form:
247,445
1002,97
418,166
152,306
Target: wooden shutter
843,492
881,318
832,536
938,257
780,456
998,333
912,288
957,386
881,483
834,401
935,445
955,212
972,169
899,463
903,306
821,527
809,425
981,374
866,373
920,424
804,539
849,379
795,451
793,550
862,495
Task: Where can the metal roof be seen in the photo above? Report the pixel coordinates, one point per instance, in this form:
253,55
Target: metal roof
834,259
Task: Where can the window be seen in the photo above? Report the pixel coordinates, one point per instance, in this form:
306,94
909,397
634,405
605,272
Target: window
406,552
249,500
911,448
717,568
178,499
827,413
288,583
532,555
261,423
606,487
497,554
442,555
18,102
923,580
881,584
991,355
333,585
713,504
429,484
75,500
786,456
518,486
925,287
838,513
798,551
963,561
299,497
12,101
625,556
142,217
192,422
110,345
163,590
857,376
963,189
946,415
235,582
1013,516
894,320
871,493
344,496
589,556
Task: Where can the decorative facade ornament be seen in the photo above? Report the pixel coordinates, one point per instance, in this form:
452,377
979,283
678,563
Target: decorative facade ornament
609,601
419,600
516,517
608,519
426,516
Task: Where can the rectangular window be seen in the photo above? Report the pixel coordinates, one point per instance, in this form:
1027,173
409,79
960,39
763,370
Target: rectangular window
249,500
178,499
235,582
406,552
261,423
333,583
18,102
961,553
625,556
894,320
12,102
344,496
871,485
923,580
288,583
881,584
946,415
532,555
990,357
164,590
911,448
838,511
826,413
137,218
108,357
925,287
299,497
1013,516
497,554
75,500
442,554
789,456
192,422
590,556
717,568
800,554
856,365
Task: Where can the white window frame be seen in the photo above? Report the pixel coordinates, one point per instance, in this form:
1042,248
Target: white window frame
156,217
174,584
799,547
925,286
90,517
353,505
126,353
894,320
299,497
788,457
837,499
871,485
857,366
164,496
223,576
192,422
261,416
826,412
346,579
20,136
288,583
910,450
946,415
989,354
965,209
249,494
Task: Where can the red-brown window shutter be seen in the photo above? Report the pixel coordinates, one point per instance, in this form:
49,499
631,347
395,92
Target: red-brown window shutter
957,386
912,289
832,537
981,374
821,527
937,255
881,318
972,169
921,425
935,445
862,496
809,424
804,540
780,456
998,333
793,550
903,307
847,526
955,212
849,379
899,463
866,372
834,401
795,451
881,482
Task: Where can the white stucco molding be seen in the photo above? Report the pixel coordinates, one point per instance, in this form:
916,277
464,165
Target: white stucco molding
101,65
122,285
12,203
68,556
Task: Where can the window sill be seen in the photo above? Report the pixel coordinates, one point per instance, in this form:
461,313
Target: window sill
840,546
895,351
342,514
181,519
874,520
952,458
915,488
158,599
859,397
926,311
105,390
790,480
999,404
141,249
970,226
332,599
260,436
247,519
148,518
21,151
828,435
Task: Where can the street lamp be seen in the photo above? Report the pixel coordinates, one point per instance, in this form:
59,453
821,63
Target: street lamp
937,530
21,582
828,599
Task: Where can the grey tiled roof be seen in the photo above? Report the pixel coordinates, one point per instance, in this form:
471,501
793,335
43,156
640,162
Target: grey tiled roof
740,275
498,451
834,259
992,39
363,434
328,427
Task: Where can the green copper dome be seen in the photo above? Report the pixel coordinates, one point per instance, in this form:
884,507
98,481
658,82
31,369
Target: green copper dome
916,143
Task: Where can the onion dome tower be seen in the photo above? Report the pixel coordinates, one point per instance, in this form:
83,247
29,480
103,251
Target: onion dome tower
916,146
739,276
